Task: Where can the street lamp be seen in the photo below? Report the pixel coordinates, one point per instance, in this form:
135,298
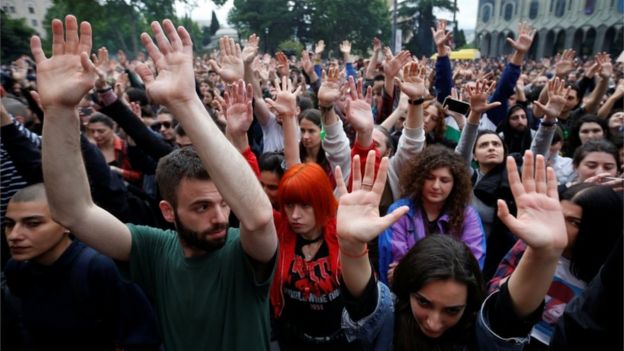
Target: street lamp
266,39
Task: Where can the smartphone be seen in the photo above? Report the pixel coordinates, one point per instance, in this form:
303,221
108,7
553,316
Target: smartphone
458,106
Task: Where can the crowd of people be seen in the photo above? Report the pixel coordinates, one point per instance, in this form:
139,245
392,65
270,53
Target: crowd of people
240,201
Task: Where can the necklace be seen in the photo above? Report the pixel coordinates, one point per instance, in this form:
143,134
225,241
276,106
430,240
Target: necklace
305,241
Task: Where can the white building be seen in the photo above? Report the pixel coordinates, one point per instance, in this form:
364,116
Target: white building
33,11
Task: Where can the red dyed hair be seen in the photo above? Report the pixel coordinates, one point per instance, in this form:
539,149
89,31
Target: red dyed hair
307,183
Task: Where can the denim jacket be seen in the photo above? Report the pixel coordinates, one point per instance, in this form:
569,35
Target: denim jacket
377,330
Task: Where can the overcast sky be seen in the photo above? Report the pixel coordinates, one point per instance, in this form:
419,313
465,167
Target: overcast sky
466,17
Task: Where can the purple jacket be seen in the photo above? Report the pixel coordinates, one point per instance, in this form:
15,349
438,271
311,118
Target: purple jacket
397,240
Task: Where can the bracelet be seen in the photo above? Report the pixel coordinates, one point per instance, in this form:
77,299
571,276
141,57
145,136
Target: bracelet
102,91
416,102
548,124
356,255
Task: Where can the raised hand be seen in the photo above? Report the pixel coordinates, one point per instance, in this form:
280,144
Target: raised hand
122,58
319,48
329,91
539,221
376,45
358,107
238,111
441,37
101,63
345,48
306,63
525,38
606,66
68,75
392,65
413,84
358,220
285,103
283,68
251,49
565,63
230,67
19,69
478,97
556,98
173,60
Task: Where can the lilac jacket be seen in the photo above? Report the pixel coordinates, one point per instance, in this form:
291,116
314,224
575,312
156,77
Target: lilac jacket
396,241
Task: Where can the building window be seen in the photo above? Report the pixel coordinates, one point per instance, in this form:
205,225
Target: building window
34,22
533,9
589,6
508,11
560,8
486,13
31,9
12,9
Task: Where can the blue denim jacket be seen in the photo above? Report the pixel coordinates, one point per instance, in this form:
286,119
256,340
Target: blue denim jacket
377,330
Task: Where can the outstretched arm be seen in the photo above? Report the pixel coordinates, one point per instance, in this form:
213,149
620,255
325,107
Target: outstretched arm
539,223
63,80
174,87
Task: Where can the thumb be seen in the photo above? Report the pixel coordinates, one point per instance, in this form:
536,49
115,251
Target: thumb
397,81
36,97
511,42
492,105
145,73
504,215
539,104
215,66
391,218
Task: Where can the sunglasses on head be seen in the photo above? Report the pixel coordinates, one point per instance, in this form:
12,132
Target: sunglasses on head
156,126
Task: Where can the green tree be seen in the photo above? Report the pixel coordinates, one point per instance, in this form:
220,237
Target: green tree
14,38
311,20
420,19
291,47
116,24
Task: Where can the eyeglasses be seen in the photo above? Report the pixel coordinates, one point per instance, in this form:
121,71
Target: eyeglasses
156,126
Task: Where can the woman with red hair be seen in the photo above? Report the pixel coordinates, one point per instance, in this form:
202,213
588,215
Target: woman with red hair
305,295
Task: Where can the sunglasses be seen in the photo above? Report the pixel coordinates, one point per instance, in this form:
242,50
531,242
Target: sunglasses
156,126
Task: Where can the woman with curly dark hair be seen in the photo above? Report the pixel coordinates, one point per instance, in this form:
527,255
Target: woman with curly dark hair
437,189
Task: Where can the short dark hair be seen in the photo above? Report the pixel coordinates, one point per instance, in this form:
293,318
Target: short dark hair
98,117
30,193
272,162
595,145
179,164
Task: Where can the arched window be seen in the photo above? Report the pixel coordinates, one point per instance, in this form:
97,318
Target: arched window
533,9
486,13
508,11
620,6
589,6
560,8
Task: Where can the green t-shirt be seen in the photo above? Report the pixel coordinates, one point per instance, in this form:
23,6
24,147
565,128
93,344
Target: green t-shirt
207,303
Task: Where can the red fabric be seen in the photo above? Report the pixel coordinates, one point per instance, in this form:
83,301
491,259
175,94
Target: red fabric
286,255
363,152
121,156
253,161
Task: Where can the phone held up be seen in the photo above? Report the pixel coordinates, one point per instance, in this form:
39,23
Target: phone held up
455,105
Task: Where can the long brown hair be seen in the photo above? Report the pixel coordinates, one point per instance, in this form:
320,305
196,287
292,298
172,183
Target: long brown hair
413,177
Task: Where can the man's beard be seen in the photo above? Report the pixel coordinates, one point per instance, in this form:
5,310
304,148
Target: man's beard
196,240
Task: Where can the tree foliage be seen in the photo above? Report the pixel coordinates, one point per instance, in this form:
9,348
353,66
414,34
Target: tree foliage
117,24
214,24
14,38
308,21
420,18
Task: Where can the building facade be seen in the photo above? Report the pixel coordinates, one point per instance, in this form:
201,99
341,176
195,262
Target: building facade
587,26
33,11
